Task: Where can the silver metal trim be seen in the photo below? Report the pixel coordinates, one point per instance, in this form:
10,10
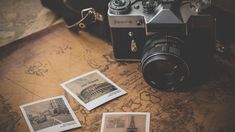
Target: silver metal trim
134,47
84,14
97,16
86,11
117,21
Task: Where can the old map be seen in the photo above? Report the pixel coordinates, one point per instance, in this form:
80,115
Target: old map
33,68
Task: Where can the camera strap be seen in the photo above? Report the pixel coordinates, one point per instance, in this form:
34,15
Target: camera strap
88,16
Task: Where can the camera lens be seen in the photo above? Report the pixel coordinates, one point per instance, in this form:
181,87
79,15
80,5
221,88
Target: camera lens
119,6
162,65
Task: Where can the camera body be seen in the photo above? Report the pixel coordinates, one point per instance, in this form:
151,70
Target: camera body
173,40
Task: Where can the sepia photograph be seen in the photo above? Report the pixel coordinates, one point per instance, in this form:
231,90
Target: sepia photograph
125,122
92,89
52,114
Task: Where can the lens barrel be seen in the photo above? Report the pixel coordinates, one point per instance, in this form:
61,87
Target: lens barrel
162,65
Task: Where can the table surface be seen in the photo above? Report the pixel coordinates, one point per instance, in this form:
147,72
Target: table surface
34,67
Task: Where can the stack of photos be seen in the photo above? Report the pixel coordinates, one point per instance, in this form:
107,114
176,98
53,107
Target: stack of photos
92,89
52,114
125,122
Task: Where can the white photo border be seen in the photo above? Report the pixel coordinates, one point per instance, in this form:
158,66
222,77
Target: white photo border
56,127
100,100
147,114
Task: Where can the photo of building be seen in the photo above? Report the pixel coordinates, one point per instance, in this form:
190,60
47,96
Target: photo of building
90,87
94,91
47,114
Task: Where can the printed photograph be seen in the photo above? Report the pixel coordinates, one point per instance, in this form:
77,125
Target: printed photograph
125,122
50,114
92,89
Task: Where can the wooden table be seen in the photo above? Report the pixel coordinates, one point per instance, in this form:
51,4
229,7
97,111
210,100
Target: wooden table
34,67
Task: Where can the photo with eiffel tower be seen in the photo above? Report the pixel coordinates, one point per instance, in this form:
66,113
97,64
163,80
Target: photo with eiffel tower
125,122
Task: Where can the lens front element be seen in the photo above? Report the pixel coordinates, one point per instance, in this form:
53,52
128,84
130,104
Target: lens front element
162,66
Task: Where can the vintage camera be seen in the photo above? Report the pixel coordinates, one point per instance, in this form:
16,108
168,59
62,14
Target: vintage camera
173,39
